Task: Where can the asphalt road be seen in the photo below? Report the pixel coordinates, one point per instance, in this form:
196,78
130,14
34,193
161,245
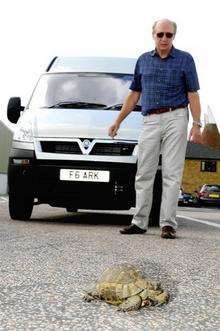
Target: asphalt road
46,263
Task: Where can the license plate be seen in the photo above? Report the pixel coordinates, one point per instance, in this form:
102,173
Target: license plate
213,195
79,175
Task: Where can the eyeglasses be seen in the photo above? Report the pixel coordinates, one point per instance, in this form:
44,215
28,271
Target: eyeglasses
167,34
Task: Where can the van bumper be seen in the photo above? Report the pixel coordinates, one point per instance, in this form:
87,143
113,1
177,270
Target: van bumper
41,179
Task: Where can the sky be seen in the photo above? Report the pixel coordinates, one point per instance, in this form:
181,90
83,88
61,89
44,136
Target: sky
34,31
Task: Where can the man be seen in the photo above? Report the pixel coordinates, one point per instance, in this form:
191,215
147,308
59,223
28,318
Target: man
167,82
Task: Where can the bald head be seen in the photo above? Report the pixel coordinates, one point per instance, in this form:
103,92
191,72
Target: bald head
163,34
165,20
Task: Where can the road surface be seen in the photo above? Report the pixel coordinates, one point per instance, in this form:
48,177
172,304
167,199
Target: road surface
45,264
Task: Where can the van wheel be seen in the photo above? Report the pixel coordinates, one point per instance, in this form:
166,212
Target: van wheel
20,207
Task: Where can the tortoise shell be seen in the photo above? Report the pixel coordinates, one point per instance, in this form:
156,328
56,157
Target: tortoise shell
121,282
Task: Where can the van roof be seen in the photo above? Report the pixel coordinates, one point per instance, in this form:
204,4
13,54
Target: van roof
92,64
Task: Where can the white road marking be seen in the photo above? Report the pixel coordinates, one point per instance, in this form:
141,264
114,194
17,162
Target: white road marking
199,221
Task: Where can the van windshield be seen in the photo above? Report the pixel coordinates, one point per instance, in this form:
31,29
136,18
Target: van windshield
81,90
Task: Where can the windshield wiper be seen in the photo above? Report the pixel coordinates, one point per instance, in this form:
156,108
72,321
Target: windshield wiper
118,106
76,104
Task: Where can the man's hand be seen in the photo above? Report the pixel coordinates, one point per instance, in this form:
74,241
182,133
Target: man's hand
129,104
112,131
195,108
195,135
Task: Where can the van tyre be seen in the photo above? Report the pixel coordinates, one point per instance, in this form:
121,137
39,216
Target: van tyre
20,207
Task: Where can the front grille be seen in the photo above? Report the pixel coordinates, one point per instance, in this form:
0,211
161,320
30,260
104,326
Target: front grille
68,147
61,147
115,149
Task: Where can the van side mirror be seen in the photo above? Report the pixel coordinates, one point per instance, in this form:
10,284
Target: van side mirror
14,109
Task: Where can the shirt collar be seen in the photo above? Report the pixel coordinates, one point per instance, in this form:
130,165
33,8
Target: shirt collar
172,52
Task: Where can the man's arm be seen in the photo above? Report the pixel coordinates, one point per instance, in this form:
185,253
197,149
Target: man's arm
195,108
129,104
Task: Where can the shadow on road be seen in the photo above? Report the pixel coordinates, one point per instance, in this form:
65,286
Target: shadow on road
86,218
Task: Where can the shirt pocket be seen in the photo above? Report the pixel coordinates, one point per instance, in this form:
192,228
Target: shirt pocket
147,77
174,77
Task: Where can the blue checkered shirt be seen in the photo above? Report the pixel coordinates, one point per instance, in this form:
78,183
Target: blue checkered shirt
164,82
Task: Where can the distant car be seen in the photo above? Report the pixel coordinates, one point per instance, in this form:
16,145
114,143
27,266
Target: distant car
209,194
186,199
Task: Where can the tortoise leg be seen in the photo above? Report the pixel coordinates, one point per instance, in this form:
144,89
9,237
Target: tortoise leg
91,295
87,297
131,303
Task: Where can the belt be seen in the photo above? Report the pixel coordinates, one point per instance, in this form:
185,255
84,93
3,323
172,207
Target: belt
163,110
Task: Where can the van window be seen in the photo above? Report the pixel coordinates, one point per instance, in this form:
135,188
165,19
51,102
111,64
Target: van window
81,90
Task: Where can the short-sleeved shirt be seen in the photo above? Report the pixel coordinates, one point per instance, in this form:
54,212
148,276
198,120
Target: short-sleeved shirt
164,82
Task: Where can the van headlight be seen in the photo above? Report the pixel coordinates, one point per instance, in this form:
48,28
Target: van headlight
23,132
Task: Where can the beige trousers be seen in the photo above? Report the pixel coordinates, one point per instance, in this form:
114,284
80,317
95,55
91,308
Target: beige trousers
167,134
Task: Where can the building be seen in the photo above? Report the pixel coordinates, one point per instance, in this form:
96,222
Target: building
202,166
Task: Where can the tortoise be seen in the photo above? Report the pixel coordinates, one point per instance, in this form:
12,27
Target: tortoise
124,287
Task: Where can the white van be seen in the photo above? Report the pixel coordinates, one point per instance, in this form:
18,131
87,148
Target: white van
61,153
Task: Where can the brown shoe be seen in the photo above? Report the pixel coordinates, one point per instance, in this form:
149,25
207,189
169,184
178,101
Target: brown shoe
168,232
132,229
